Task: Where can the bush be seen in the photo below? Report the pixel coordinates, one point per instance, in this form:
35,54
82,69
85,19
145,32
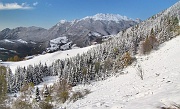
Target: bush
108,63
75,96
24,87
15,58
126,59
45,105
78,95
19,104
64,95
62,90
146,46
48,98
149,43
3,86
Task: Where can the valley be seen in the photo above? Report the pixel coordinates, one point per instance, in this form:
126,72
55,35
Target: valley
104,61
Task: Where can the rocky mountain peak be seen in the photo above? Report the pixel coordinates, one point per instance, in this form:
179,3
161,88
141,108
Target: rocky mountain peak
108,17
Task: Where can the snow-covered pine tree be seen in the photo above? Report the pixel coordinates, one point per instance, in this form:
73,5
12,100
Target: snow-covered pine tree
29,75
54,69
37,78
45,71
10,78
17,80
46,91
37,96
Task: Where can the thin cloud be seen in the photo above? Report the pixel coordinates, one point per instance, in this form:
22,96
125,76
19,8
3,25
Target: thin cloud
35,3
48,4
14,6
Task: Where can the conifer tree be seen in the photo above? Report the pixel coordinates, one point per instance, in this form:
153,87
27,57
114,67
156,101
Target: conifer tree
38,98
46,91
45,71
10,79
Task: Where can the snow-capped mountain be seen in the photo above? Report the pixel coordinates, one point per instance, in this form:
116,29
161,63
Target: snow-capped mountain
98,25
108,17
82,32
110,75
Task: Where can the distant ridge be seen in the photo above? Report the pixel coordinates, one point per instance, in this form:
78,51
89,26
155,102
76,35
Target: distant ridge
80,32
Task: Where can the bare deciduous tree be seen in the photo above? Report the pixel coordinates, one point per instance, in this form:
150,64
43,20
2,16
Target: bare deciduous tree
140,72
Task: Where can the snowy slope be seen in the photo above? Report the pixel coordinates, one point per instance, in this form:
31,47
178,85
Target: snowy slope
22,41
6,40
48,58
55,43
160,87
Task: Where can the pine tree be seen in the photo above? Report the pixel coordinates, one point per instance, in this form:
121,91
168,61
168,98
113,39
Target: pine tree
175,21
84,74
45,71
97,67
46,91
10,79
18,80
40,74
54,69
38,98
29,74
37,78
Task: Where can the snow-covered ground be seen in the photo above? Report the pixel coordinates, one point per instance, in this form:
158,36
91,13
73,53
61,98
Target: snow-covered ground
54,43
108,17
22,41
160,87
2,49
49,81
6,40
48,58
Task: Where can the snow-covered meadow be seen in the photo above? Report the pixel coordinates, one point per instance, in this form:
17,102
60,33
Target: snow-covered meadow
160,87
48,58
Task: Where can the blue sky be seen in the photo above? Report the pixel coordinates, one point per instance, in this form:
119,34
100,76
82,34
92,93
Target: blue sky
46,13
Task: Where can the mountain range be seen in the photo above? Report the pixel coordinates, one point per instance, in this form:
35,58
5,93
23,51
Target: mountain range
25,41
111,75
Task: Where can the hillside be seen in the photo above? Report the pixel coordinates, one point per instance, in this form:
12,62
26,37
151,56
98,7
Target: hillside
125,71
160,87
126,90
48,58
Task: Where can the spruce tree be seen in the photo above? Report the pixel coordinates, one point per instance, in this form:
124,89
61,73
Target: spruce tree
38,98
46,91
45,71
10,79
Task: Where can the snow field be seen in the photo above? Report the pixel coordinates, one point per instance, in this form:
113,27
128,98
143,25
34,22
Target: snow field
160,87
48,58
